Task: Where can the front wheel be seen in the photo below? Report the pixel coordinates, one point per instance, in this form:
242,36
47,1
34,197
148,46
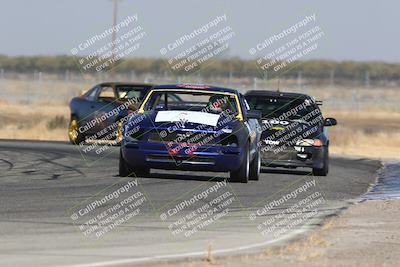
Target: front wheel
255,167
242,174
325,166
118,133
126,170
75,137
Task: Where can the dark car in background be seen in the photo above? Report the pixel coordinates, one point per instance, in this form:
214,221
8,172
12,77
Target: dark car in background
99,113
192,127
294,132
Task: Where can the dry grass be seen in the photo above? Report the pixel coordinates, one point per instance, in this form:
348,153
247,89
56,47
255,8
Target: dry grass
306,249
368,133
41,92
369,129
21,121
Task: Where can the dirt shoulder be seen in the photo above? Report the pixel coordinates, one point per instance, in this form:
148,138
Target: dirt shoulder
366,234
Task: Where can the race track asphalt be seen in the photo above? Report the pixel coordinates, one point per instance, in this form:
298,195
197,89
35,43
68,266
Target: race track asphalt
43,185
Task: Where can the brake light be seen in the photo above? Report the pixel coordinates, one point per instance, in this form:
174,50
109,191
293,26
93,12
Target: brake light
194,86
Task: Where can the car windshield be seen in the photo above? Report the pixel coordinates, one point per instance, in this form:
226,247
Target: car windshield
210,102
129,92
274,107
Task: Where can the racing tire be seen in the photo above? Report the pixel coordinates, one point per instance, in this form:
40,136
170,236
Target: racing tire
126,170
75,137
325,166
241,175
255,167
118,132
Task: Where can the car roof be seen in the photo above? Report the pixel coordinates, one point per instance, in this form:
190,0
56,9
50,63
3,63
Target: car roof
126,84
197,87
276,94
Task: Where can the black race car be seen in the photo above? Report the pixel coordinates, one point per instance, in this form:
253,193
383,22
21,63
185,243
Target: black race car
293,130
100,112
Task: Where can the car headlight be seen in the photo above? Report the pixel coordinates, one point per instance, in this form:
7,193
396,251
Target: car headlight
226,130
134,134
309,142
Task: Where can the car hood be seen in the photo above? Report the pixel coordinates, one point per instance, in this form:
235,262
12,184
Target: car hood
288,131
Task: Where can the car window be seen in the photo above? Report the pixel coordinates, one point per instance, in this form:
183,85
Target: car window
91,94
106,93
210,102
129,92
273,107
174,98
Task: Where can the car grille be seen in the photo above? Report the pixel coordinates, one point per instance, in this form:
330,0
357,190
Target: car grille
201,138
198,160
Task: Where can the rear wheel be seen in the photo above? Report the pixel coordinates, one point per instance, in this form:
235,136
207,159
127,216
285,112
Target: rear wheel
242,174
325,166
118,133
125,169
255,167
75,137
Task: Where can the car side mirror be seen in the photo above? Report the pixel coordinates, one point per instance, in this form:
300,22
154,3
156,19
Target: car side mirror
330,122
254,114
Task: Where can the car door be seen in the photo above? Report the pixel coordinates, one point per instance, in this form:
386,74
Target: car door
104,108
86,108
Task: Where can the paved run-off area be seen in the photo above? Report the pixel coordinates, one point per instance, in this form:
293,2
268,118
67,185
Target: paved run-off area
43,185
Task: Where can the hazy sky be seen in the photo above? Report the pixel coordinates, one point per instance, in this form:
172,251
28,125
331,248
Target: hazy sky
354,30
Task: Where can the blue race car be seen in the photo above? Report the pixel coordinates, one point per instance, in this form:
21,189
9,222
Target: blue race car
98,114
192,127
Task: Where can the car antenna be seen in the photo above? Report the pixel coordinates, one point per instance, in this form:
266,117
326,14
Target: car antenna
278,85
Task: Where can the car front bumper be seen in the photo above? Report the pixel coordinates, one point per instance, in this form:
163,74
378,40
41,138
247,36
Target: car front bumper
205,158
289,157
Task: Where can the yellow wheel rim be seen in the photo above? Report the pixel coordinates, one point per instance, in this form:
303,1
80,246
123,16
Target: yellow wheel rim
73,130
118,132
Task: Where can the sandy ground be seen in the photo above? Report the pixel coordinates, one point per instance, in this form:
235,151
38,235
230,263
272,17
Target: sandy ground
366,234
